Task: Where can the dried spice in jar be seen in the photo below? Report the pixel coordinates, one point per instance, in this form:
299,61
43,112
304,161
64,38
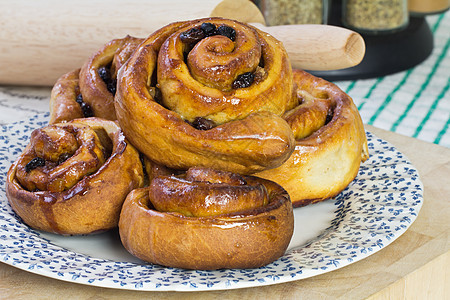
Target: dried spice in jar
375,16
286,12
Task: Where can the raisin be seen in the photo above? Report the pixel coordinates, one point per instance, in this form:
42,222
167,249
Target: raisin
201,123
104,74
192,36
329,116
209,29
34,163
63,157
79,99
227,31
111,86
243,80
87,110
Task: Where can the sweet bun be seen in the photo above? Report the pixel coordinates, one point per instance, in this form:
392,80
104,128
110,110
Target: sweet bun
207,219
330,142
73,177
89,91
181,111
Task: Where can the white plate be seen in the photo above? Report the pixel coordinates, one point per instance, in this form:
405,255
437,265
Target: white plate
375,209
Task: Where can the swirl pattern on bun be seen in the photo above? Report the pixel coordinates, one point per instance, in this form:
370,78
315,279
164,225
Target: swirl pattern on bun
89,91
73,177
330,142
207,219
193,96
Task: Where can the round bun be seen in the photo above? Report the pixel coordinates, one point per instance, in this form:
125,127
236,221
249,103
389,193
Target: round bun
330,142
186,98
242,222
73,177
89,91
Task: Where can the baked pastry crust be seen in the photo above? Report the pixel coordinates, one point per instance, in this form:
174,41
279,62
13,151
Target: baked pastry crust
300,135
93,203
93,88
244,238
88,84
328,134
249,135
63,104
330,142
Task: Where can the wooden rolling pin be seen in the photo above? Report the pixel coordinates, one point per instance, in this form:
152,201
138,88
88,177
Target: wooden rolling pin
42,40
422,7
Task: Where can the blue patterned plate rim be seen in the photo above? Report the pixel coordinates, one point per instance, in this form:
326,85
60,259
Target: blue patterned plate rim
375,209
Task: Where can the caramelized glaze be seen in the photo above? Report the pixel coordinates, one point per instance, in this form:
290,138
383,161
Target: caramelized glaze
200,196
90,200
249,133
86,84
247,238
330,142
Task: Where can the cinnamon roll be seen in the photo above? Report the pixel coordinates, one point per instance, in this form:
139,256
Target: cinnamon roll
330,142
208,93
89,91
207,219
73,177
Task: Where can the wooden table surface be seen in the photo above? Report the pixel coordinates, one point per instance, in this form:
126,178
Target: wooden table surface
415,266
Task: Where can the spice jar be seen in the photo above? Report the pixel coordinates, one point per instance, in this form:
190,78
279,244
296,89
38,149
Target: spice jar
286,12
375,16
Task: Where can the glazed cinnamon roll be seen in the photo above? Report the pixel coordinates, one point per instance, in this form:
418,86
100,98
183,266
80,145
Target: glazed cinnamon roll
207,219
89,91
330,142
209,93
73,177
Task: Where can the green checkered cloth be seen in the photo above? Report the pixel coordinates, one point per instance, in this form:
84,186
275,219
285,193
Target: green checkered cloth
415,102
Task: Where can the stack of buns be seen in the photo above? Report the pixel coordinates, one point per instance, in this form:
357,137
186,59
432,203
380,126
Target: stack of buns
197,142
